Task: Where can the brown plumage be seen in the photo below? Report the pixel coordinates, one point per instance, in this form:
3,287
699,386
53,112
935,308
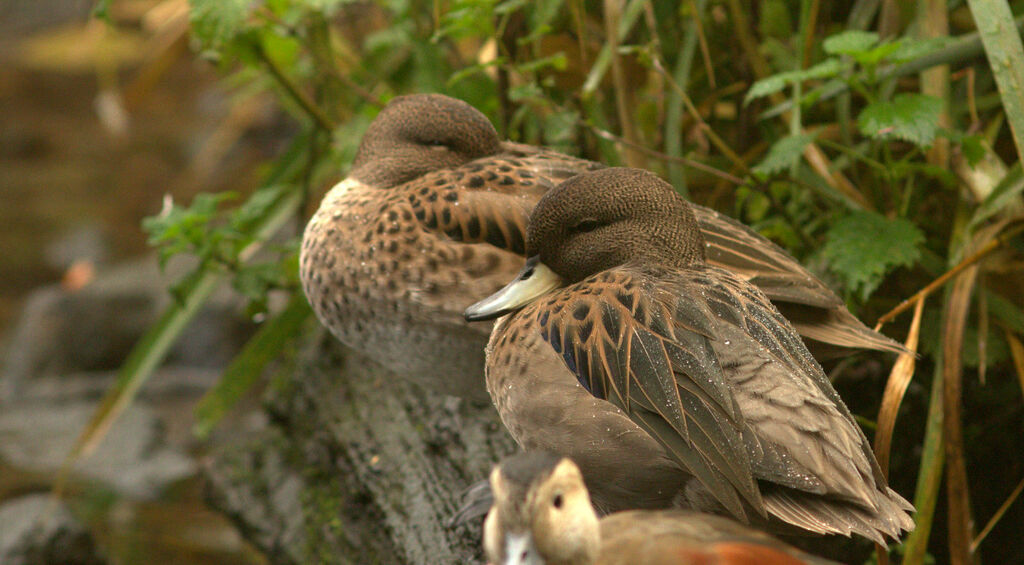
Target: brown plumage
542,515
432,217
695,391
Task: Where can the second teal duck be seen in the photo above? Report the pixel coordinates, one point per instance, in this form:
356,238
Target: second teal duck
671,381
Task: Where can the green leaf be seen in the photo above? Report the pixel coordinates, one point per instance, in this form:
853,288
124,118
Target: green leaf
863,247
101,10
246,368
826,69
911,117
783,153
876,55
557,61
973,148
853,42
216,22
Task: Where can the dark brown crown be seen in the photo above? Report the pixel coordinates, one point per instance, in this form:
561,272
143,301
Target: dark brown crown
420,133
606,218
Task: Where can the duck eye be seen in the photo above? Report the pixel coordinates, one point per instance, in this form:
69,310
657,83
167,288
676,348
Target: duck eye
585,225
557,502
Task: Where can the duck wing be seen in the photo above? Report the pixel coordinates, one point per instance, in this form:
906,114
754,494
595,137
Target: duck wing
703,362
637,352
808,303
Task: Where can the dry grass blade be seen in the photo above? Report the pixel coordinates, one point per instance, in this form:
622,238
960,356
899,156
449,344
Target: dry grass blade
895,388
1017,352
997,516
960,522
984,251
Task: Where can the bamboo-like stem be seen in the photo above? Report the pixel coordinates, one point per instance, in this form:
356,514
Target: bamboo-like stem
623,93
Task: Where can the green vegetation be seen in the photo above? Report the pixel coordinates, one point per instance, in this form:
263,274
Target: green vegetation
877,147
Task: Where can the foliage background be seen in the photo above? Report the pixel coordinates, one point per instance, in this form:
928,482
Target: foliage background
878,141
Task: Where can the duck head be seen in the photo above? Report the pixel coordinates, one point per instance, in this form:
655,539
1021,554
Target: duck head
597,221
416,134
542,513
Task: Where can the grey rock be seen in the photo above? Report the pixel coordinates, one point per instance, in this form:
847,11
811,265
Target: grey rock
86,242
94,328
40,531
132,459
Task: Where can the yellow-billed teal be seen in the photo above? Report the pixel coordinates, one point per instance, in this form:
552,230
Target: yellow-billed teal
432,217
670,381
542,515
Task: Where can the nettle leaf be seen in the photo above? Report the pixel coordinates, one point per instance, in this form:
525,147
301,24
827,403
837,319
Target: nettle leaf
783,153
826,69
853,42
911,117
216,22
863,247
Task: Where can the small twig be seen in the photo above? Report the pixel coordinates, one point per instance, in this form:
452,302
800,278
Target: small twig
985,250
997,516
605,134
717,141
307,105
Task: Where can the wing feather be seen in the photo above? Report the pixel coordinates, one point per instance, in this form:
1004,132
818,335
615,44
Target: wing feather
642,356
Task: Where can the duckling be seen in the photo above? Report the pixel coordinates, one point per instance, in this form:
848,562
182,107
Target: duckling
542,515
432,217
670,381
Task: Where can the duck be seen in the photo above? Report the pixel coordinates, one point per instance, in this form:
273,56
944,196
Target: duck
671,382
542,515
432,217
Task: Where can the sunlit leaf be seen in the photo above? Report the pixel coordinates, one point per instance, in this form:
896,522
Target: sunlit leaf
825,69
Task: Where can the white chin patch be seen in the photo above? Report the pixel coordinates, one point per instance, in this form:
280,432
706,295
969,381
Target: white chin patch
341,189
520,550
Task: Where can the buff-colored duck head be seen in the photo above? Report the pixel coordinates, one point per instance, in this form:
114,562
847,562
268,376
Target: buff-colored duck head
541,513
416,134
594,222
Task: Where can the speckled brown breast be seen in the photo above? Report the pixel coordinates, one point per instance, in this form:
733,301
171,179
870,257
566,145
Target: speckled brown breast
390,271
